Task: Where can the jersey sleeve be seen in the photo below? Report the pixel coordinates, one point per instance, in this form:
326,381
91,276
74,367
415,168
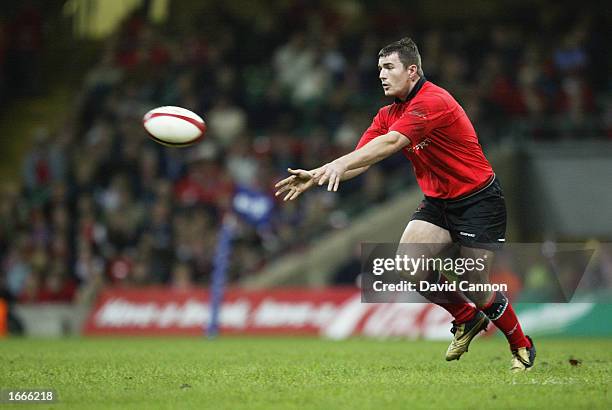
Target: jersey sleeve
414,123
375,129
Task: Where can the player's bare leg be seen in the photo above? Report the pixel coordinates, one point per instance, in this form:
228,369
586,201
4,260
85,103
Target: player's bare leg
477,276
468,321
423,239
418,231
497,308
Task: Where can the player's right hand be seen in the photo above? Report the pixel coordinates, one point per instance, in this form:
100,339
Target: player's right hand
299,181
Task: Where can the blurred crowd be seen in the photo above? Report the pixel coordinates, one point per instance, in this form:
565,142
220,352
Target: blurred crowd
21,51
99,203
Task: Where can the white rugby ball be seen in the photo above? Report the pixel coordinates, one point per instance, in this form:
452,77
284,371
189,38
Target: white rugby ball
174,126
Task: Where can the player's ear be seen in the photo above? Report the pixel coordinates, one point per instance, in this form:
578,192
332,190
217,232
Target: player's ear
412,70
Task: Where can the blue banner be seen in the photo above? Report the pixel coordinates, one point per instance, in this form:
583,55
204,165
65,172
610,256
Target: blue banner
253,206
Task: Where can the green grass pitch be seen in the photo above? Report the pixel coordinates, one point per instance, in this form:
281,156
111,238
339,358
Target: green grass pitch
301,373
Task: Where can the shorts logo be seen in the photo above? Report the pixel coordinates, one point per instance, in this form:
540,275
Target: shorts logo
471,235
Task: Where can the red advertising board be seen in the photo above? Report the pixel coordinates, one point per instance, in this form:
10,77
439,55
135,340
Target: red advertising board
331,312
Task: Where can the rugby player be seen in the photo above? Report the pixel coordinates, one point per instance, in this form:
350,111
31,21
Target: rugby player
463,202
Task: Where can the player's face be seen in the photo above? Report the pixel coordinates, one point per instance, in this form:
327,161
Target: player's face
395,78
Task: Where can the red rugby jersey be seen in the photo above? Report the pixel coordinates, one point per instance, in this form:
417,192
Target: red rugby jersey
447,159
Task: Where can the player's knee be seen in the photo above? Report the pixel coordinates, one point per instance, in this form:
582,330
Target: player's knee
413,260
480,299
420,275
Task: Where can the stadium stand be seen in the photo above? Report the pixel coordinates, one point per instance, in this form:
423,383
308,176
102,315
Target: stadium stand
98,203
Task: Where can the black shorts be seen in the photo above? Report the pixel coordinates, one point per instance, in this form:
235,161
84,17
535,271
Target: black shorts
477,220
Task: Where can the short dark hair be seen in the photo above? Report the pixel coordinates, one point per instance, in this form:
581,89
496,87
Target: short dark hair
406,50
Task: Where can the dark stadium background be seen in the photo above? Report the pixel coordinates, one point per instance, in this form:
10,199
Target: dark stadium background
88,202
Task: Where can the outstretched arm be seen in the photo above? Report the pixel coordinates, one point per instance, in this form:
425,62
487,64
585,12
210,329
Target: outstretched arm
352,173
376,150
301,180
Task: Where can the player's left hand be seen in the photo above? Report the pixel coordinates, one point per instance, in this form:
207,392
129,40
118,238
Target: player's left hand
299,181
331,173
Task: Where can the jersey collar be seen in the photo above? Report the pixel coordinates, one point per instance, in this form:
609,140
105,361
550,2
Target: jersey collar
413,92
